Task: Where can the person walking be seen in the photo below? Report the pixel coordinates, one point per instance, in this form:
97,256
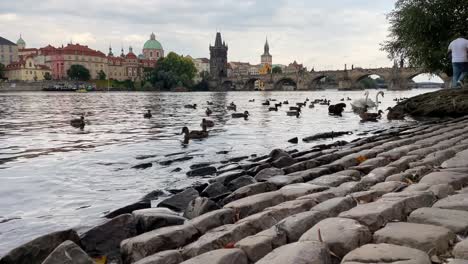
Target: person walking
459,50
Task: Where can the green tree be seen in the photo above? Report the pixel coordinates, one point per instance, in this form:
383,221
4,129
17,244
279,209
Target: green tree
421,30
173,71
277,70
101,75
47,76
78,73
368,82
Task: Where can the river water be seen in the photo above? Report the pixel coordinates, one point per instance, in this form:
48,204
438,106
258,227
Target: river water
54,176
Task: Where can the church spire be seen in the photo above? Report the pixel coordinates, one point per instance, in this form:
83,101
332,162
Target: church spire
110,51
218,41
153,37
266,48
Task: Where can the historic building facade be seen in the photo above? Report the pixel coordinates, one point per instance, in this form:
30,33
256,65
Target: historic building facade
218,58
153,50
26,69
8,51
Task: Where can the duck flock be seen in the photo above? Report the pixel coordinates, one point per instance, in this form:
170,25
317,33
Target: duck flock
360,107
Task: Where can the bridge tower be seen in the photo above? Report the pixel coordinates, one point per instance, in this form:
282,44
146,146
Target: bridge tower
218,58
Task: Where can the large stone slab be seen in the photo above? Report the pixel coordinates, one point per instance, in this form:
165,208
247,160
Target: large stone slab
428,238
335,206
386,253
283,180
68,253
296,225
410,201
104,239
249,190
454,202
456,180
455,220
179,201
267,173
259,245
199,206
376,214
331,180
378,175
306,252
213,219
297,190
461,250
256,203
458,161
341,235
153,218
146,244
37,250
220,256
240,182
163,257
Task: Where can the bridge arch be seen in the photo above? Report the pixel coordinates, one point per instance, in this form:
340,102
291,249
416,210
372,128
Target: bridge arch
250,84
361,81
285,84
228,85
318,82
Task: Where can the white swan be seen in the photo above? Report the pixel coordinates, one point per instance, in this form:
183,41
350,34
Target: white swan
360,104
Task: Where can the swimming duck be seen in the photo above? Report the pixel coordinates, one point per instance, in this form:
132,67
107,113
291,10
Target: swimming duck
244,115
194,134
370,117
232,107
273,108
209,103
336,109
148,114
286,102
78,122
301,104
293,113
207,123
252,100
295,108
266,103
395,115
194,106
278,105
311,105
208,111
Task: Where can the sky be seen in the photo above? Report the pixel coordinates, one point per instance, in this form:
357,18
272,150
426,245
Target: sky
324,35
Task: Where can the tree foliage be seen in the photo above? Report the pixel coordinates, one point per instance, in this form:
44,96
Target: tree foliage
78,73
421,30
101,75
276,70
173,71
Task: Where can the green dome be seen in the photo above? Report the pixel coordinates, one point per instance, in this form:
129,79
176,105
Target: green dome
152,43
20,42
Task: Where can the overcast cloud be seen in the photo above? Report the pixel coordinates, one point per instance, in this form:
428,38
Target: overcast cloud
320,34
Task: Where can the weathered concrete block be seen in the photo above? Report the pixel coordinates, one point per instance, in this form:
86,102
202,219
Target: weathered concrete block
318,197
296,190
461,250
146,244
456,180
153,218
249,190
220,256
179,201
296,225
410,201
283,180
378,175
37,250
163,257
386,253
68,253
256,203
454,202
213,219
455,220
240,182
347,188
259,245
335,206
267,173
215,189
341,235
428,238
331,180
458,161
376,214
199,206
306,252
104,239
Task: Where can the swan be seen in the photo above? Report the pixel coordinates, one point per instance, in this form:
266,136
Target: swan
359,104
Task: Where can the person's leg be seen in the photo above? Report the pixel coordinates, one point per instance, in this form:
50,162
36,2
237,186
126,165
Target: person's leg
464,72
456,74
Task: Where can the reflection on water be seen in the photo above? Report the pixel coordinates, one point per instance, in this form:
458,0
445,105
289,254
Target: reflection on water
55,176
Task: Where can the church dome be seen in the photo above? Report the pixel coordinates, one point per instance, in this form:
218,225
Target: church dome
20,42
152,43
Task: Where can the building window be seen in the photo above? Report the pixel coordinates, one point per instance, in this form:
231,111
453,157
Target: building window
30,64
157,54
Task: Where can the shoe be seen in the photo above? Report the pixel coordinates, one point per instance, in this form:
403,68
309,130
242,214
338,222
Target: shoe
459,84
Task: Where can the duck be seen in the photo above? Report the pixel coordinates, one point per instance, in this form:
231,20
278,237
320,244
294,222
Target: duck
78,122
348,99
273,108
266,103
189,106
325,102
370,117
207,123
278,105
273,100
295,108
394,114
252,101
244,115
311,105
232,107
286,102
194,134
209,103
342,100
293,113
208,111
307,99
336,109
359,104
301,104
148,114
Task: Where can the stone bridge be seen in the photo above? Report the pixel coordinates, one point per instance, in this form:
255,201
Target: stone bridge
396,79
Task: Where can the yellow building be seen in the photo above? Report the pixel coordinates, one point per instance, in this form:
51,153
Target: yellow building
264,69
27,70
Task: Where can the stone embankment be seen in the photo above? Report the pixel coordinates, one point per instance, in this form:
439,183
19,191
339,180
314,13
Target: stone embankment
399,197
